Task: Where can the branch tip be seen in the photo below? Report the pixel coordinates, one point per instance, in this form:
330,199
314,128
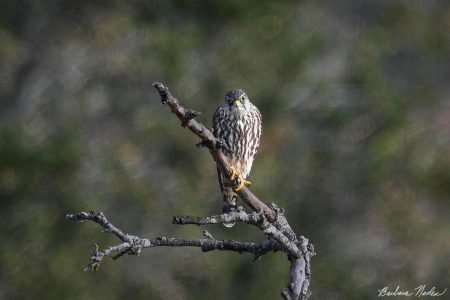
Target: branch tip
162,90
207,234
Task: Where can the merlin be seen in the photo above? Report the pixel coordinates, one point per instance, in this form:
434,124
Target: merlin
237,124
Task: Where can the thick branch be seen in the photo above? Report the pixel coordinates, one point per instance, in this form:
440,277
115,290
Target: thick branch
187,120
300,274
271,221
296,279
298,249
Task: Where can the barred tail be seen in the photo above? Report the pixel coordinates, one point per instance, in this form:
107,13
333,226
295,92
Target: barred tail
229,197
229,200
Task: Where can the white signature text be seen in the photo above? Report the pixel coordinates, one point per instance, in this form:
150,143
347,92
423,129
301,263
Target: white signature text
420,291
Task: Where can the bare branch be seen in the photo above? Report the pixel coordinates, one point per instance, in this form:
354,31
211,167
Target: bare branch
208,235
133,245
99,218
212,143
269,218
254,218
300,274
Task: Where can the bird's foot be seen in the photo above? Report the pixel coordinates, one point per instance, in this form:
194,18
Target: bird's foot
220,144
240,182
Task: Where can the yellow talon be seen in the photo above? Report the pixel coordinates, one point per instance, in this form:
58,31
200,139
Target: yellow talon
242,181
234,174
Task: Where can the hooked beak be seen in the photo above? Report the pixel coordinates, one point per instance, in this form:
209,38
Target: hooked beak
237,102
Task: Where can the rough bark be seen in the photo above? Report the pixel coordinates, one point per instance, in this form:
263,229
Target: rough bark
269,218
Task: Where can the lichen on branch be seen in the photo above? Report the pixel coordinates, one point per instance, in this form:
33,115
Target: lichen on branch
269,218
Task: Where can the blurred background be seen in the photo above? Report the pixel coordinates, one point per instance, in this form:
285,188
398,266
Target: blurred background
356,143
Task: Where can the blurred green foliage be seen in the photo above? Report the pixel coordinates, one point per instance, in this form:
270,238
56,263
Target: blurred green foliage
356,142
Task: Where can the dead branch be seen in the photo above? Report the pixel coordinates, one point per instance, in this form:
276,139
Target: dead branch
257,219
208,140
272,221
132,245
269,218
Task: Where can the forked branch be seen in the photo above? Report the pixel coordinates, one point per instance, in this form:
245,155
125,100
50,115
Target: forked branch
272,221
133,245
269,218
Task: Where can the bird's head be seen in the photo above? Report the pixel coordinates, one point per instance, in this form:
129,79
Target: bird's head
237,99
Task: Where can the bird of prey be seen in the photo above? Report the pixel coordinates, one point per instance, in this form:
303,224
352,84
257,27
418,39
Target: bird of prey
237,124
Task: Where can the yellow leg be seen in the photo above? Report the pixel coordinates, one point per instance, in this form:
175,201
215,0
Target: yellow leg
234,173
242,181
